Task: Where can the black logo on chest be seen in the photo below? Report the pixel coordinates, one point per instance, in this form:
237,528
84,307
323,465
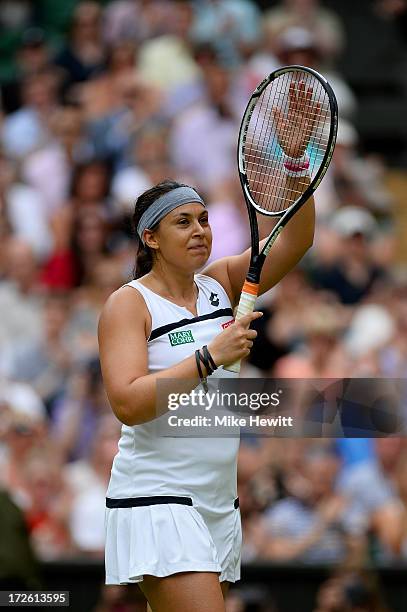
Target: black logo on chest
214,299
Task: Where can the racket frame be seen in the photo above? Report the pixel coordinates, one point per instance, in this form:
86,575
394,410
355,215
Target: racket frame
257,259
251,285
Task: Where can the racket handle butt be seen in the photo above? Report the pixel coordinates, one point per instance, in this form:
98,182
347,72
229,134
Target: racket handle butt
233,367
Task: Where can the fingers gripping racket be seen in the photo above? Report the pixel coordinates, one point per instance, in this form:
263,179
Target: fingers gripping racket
286,142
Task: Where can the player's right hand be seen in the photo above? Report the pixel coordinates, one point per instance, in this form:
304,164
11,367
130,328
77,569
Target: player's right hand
235,342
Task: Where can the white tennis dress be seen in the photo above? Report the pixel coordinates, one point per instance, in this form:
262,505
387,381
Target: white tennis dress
172,502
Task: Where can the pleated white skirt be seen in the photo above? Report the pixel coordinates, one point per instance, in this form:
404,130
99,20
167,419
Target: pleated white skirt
165,539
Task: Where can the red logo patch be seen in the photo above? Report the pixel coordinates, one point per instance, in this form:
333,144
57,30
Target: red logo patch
225,325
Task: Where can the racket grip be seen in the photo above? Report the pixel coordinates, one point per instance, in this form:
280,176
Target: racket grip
246,305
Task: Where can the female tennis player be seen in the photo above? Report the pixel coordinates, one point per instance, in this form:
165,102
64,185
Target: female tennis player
172,517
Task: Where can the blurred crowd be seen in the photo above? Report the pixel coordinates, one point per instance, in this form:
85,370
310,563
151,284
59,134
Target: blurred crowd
101,100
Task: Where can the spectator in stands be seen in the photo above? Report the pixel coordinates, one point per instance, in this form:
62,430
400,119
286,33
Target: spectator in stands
372,329
232,26
83,55
88,479
48,505
321,355
15,18
43,363
299,45
282,325
80,227
265,475
213,123
371,487
150,149
114,135
32,57
130,19
167,60
69,148
100,96
20,296
324,24
259,486
90,186
23,210
107,275
301,32
312,527
27,128
355,591
353,273
358,179
89,242
226,207
262,61
393,356
23,428
79,411
151,162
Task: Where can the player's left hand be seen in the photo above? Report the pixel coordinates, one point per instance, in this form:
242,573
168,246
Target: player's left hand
298,122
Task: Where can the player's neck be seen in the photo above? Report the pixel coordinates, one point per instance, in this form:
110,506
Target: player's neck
176,286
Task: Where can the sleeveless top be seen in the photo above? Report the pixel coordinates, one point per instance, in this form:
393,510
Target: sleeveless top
148,464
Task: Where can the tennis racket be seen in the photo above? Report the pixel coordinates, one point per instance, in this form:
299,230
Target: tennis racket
286,142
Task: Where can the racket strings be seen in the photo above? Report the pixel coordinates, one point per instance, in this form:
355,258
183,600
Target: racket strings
271,132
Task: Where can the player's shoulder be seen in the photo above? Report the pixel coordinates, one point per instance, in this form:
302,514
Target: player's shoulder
126,302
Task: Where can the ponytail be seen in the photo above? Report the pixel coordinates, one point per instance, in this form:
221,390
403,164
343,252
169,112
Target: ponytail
144,261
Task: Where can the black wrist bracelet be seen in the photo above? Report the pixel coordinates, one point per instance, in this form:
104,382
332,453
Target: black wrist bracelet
205,361
198,359
209,358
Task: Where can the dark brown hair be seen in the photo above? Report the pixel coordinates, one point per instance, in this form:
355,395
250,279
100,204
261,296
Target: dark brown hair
144,259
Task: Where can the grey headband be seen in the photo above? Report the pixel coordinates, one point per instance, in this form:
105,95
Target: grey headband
165,204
